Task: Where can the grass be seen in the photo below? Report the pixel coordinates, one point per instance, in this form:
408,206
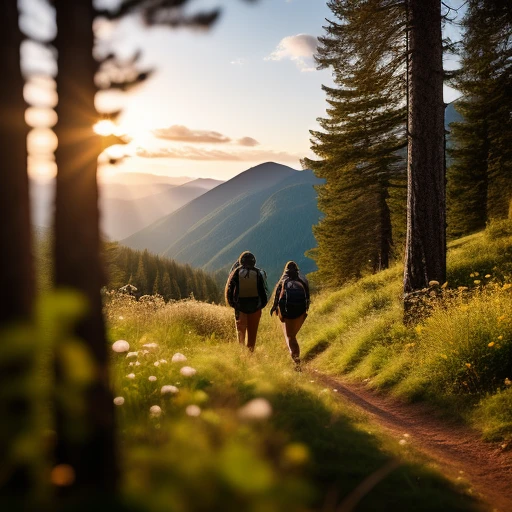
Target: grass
299,449
459,356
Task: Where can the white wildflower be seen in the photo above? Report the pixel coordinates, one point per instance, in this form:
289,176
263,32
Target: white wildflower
156,363
178,358
119,400
132,354
151,378
137,363
188,371
169,389
155,411
150,345
163,361
131,364
120,346
257,409
402,442
131,376
193,410
121,317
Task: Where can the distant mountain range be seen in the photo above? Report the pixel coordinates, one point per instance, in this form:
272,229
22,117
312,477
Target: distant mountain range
268,209
128,201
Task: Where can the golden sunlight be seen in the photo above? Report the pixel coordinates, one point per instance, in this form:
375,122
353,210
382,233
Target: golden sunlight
106,127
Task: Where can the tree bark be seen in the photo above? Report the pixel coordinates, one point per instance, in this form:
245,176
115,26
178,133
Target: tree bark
425,258
86,441
16,275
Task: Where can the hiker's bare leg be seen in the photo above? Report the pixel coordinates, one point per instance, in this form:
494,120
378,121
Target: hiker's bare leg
241,327
291,327
253,321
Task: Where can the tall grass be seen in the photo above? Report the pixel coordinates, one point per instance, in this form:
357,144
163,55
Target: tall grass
245,431
459,355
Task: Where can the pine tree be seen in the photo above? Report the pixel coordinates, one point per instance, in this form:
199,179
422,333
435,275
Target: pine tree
479,185
167,291
16,275
425,258
361,145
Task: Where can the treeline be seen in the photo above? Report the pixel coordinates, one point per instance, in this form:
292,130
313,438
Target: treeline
152,274
362,145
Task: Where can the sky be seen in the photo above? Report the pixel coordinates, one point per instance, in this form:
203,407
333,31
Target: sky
219,101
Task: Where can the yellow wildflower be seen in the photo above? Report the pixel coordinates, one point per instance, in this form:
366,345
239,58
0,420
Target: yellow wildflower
500,337
468,365
506,286
477,274
491,344
487,276
476,281
501,318
472,274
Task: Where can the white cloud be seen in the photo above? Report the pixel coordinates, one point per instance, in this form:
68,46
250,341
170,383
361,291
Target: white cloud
300,49
205,154
184,134
238,62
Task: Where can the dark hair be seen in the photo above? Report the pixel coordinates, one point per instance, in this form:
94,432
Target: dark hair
247,259
291,269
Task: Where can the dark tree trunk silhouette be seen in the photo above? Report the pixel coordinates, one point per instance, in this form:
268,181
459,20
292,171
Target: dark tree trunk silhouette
86,443
16,268
425,258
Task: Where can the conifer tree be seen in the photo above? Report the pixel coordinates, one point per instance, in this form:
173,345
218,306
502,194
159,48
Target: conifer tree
16,275
425,258
479,185
361,145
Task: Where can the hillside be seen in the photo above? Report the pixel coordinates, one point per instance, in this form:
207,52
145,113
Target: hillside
268,209
128,203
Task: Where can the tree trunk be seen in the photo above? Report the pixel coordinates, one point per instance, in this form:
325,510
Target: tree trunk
425,258
86,440
16,274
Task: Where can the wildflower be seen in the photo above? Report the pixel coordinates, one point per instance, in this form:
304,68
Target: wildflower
257,409
193,410
131,376
121,317
472,274
491,344
137,363
132,354
188,371
476,281
178,358
163,361
508,382
169,389
462,288
120,346
119,400
151,378
500,337
150,345
402,442
433,283
506,286
477,274
487,276
468,365
155,411
444,356
156,363
501,318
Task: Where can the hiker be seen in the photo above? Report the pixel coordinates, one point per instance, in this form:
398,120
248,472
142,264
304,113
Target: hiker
246,292
291,304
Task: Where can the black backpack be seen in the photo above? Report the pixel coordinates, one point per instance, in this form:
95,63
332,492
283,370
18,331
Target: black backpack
293,300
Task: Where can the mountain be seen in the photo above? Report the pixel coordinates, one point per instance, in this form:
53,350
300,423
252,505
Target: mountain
128,204
268,209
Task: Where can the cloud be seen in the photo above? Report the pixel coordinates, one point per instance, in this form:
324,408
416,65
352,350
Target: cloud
181,133
248,141
300,49
202,154
238,62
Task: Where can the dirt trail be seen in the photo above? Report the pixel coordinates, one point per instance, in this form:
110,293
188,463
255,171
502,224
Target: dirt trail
457,449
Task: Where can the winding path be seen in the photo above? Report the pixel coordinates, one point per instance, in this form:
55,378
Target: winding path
458,450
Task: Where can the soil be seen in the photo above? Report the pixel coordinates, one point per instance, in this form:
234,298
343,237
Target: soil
457,450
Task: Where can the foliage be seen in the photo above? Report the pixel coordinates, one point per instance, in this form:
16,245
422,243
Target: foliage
360,146
479,177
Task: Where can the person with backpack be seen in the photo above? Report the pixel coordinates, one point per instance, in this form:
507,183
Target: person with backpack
246,291
291,304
